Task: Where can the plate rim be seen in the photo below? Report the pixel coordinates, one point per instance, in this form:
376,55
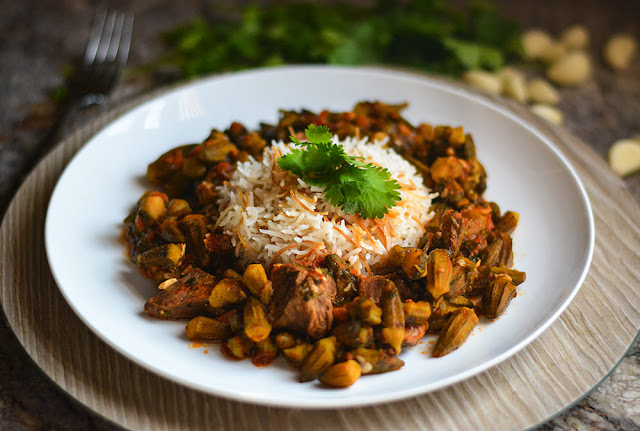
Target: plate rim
390,73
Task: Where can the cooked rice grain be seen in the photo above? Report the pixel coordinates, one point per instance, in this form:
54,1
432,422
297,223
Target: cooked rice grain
273,216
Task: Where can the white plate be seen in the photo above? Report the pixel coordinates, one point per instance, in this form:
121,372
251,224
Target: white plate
526,173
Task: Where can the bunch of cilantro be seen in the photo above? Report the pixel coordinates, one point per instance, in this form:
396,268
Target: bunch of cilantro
428,34
348,182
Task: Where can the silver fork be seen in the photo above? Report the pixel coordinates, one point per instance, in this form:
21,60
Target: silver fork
104,58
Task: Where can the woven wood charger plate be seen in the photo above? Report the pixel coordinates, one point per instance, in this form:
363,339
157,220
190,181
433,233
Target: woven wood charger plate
553,372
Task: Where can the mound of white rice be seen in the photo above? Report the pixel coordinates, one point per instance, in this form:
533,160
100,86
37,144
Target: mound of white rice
274,216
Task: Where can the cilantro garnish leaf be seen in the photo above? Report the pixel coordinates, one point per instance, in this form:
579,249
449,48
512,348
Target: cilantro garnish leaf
349,183
314,161
317,135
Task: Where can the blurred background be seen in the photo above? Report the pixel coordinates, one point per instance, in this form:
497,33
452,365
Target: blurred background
42,40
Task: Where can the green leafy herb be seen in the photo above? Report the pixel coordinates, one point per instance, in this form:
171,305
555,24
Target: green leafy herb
349,183
428,34
474,55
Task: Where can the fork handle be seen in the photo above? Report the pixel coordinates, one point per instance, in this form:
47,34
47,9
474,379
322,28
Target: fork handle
52,135
43,147
50,138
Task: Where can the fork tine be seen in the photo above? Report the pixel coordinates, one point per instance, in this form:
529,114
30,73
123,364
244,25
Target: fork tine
110,38
125,43
94,37
114,43
105,37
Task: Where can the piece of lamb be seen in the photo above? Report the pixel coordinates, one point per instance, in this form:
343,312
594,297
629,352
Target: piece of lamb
372,286
302,299
187,298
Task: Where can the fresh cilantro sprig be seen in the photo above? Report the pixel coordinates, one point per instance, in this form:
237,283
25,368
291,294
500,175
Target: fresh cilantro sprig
348,182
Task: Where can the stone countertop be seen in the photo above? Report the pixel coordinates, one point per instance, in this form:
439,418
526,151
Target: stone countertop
40,38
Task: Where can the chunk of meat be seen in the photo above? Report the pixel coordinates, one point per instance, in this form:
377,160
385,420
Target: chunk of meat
372,286
302,299
187,298
221,250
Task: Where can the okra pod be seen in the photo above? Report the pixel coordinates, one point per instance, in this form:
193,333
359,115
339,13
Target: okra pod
256,325
392,319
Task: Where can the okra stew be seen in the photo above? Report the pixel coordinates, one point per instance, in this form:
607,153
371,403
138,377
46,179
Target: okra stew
330,320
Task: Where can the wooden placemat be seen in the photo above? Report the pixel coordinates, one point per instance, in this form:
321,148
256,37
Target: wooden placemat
554,371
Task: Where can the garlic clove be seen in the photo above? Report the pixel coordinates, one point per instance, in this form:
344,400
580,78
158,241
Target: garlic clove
571,70
624,156
620,50
485,81
541,91
534,43
549,113
509,71
575,37
514,84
